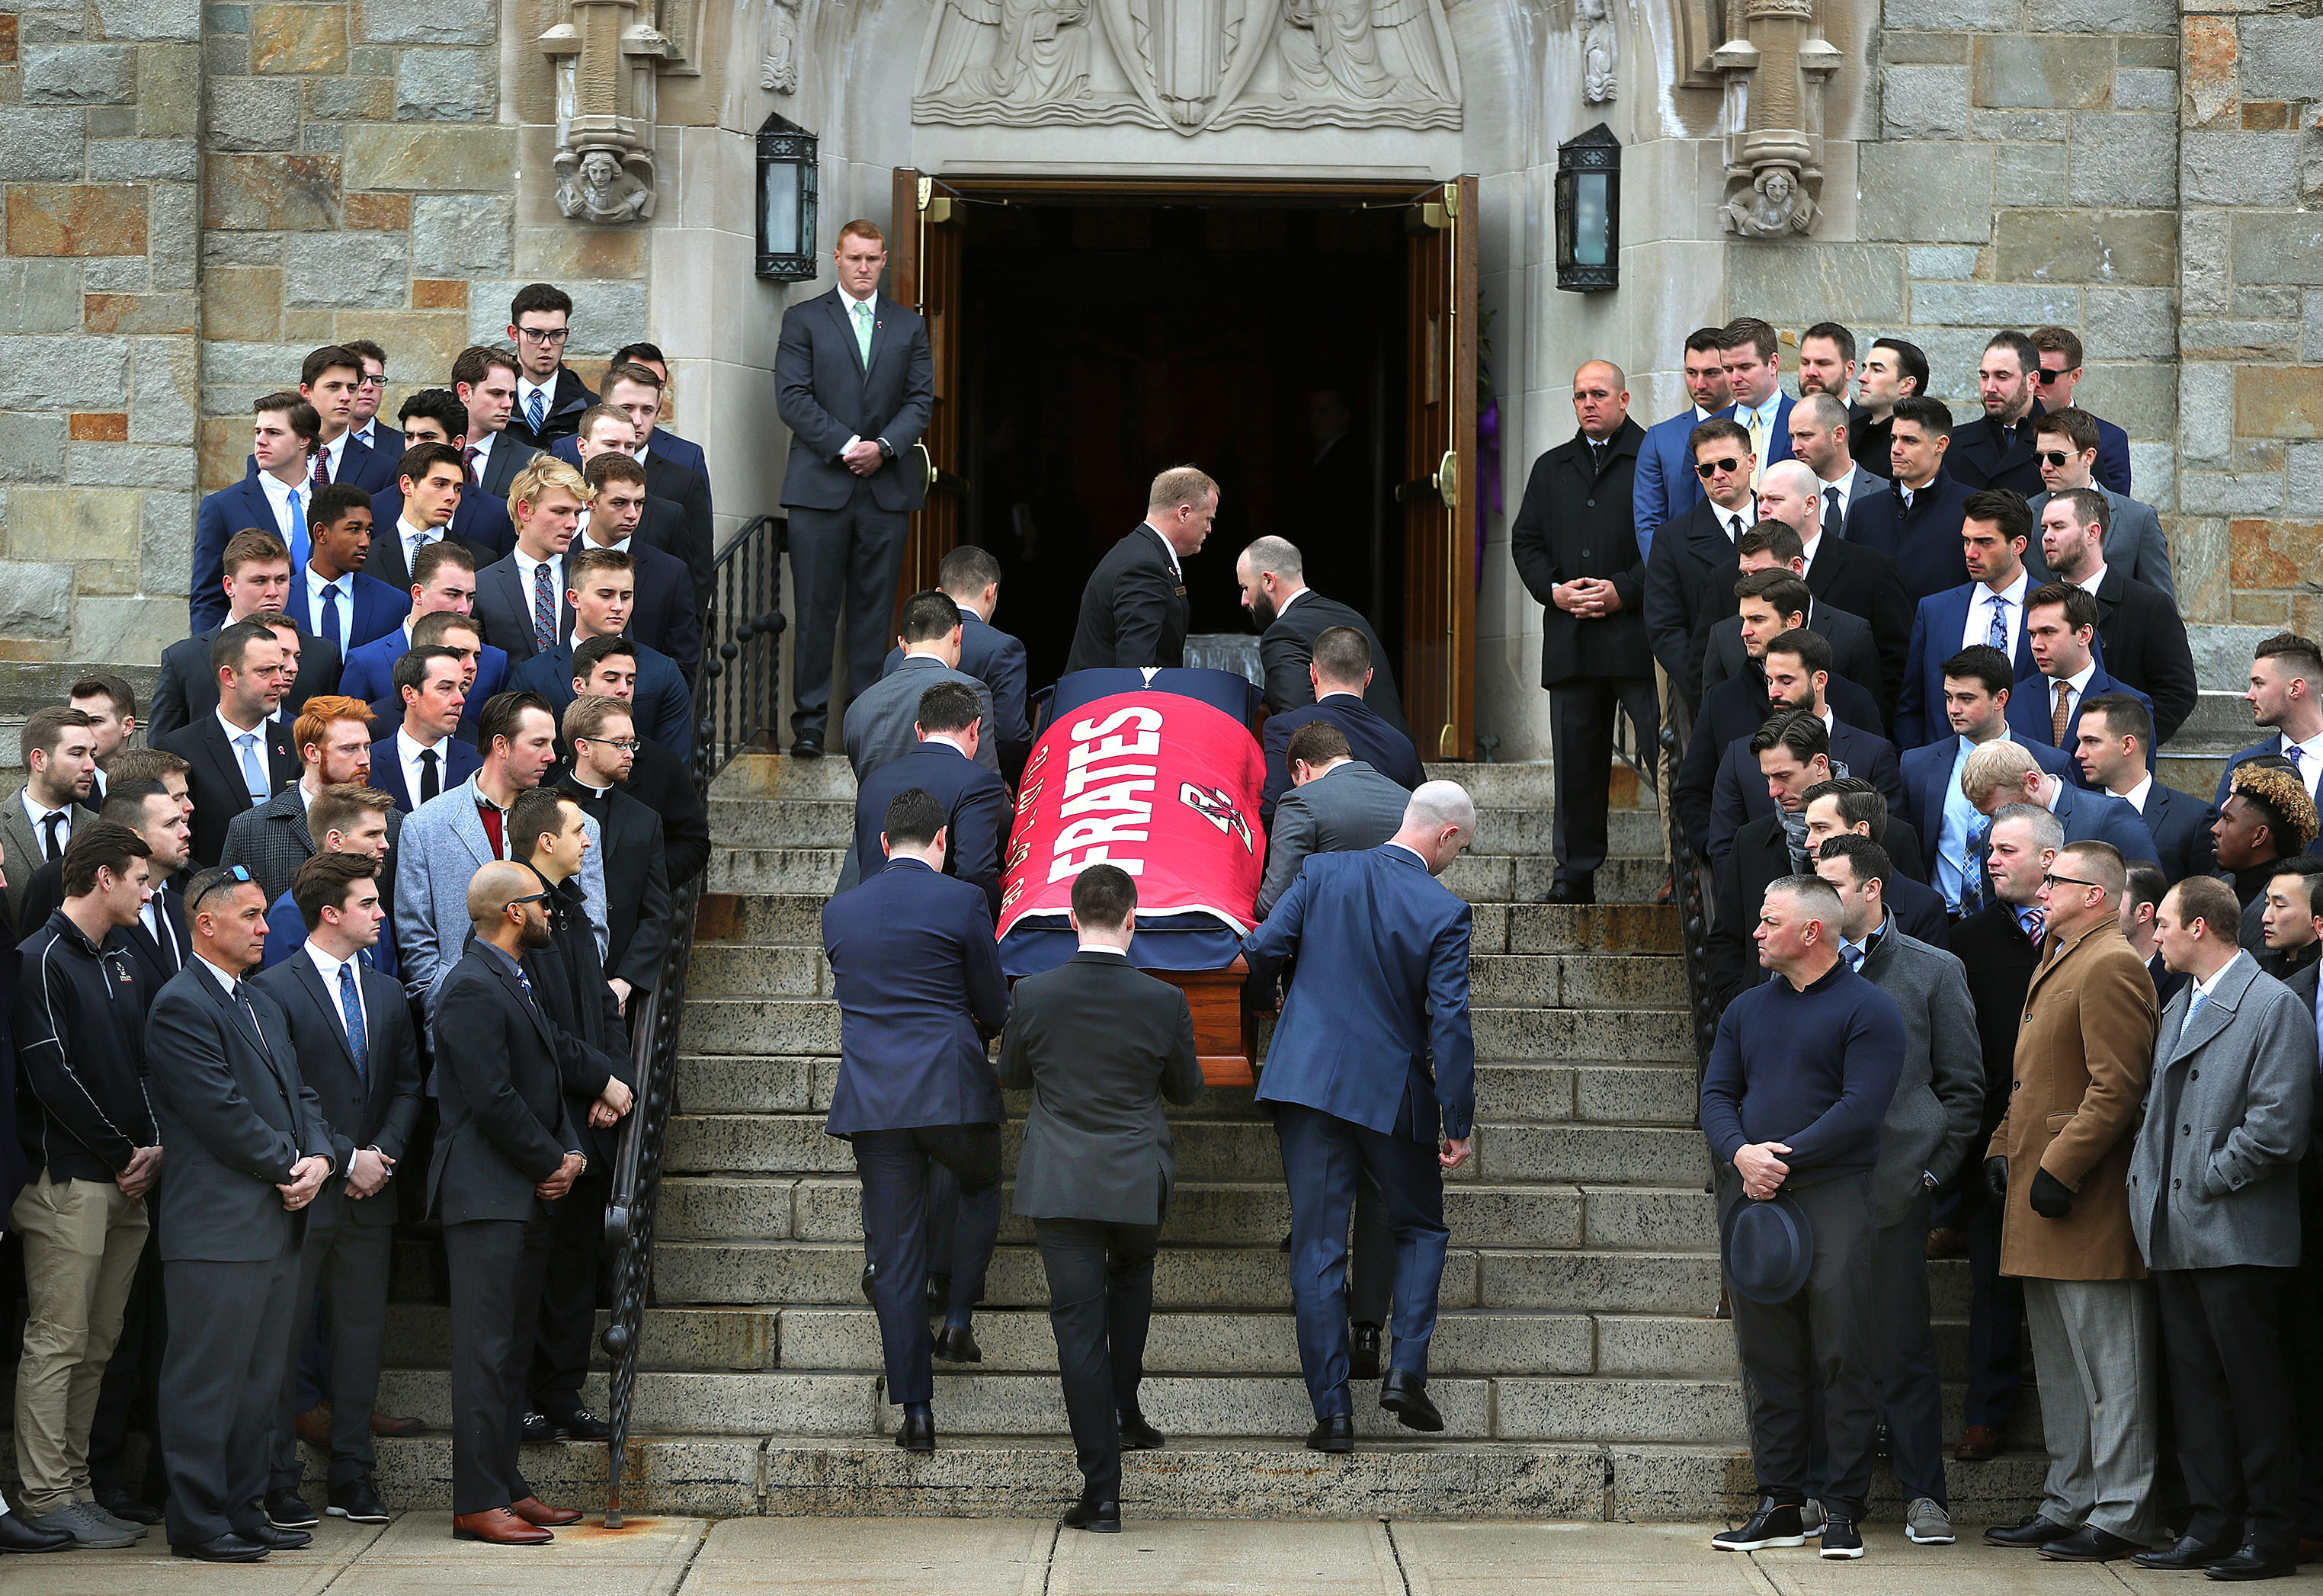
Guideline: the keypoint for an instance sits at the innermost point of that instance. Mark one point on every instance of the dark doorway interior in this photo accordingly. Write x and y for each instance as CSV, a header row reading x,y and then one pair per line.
x,y
1104,342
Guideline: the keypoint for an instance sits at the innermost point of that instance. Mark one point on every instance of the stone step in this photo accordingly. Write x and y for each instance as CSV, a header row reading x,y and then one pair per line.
x,y
783,823
1523,877
781,870
1529,829
756,969
785,1026
774,776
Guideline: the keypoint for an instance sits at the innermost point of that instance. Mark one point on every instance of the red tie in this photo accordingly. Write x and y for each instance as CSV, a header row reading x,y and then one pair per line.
x,y
322,468
468,458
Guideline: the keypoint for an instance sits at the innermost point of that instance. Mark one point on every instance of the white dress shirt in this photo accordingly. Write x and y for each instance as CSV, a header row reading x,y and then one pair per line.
x,y
328,968
334,451
408,750
1979,628
481,442
1176,570
344,586
526,388
525,566
39,815
2309,760
2089,585
2137,795
2076,685
1807,546
233,736
278,494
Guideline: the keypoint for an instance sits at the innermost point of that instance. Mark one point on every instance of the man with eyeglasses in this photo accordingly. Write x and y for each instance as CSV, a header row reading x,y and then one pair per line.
x,y
1681,597
2060,377
604,742
549,398
2069,445
2058,1164
329,380
371,389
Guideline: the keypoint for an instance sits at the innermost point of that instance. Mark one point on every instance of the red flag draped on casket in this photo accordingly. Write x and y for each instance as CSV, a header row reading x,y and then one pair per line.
x,y
1164,786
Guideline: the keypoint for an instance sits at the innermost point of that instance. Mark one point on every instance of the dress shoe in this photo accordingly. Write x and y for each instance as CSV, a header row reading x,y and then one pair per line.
x,y
1947,1241
580,1425
1842,1539
918,1433
127,1508
870,1273
541,1516
314,1427
1137,1435
1103,1517
224,1548
130,1527
1980,1443
538,1429
2251,1564
2089,1544
1363,1351
808,746
86,1528
499,1528
2032,1530
17,1535
1773,1524
1565,891
1334,1434
358,1503
1405,1395
954,1344
276,1540
2189,1553
388,1424
286,1509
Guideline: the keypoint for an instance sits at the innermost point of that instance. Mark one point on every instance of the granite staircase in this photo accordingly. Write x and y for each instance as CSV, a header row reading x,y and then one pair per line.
x,y
1578,1364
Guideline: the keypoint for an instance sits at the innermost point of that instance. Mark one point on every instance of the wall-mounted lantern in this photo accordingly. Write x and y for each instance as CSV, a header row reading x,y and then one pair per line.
x,y
1589,212
788,176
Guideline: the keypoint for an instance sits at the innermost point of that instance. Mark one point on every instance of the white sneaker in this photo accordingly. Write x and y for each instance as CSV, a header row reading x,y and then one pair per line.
x,y
1927,1524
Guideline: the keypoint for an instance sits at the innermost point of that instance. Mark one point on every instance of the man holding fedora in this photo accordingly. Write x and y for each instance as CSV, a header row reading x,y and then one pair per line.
x,y
1801,1074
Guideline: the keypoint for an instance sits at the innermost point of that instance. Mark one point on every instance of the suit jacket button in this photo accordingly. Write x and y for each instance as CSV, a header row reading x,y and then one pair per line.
x,y
1584,553
1592,504
2194,1075
2185,1130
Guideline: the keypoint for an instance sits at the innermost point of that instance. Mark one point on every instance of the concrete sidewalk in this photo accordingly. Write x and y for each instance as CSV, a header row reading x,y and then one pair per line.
x,y
1032,1558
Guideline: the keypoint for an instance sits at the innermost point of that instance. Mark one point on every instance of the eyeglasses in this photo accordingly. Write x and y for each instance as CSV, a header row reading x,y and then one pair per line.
x,y
231,876
553,336
625,745
368,381
2057,881
2055,458
537,897
1711,468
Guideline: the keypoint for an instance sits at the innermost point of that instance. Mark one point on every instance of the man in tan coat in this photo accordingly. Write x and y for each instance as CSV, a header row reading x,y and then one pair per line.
x,y
2060,1163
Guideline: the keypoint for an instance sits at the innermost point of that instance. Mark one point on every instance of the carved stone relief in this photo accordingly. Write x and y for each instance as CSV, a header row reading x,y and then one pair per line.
x,y
1600,54
1778,67
1189,65
605,58
779,70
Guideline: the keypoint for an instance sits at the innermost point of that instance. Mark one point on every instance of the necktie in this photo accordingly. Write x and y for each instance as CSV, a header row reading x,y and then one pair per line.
x,y
1734,529
2063,713
863,331
1832,520
1972,880
468,459
535,410
242,1000
1907,493
1853,954
54,821
1757,446
2292,752
351,1005
164,939
427,785
254,774
299,547
543,608
331,614
2193,1008
2035,923
322,477
1999,636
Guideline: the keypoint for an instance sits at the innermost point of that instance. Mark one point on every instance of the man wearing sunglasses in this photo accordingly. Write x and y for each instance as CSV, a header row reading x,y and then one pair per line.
x,y
549,398
1682,594
2060,377
2069,445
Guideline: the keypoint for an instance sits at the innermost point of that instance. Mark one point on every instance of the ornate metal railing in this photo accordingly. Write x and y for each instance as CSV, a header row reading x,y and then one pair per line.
x,y
736,699
1689,889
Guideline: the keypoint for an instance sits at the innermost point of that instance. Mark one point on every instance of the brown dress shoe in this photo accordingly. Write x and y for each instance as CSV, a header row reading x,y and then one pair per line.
x,y
498,1527
533,1510
1947,1241
1978,1443
384,1424
314,1426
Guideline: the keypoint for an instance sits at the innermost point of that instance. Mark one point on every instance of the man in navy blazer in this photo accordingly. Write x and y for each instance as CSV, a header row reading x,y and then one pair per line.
x,y
663,614
369,672
2114,735
2286,693
1998,774
2062,621
1975,694
270,498
917,975
1754,373
662,706
1339,671
1374,1068
855,383
1917,525
1665,487
970,577
976,803
332,598
1989,609
660,440
420,510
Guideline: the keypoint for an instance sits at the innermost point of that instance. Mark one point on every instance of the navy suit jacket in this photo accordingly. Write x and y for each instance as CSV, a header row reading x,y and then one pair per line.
x,y
504,608
2101,817
1925,540
286,933
2181,825
369,674
1918,910
998,660
1665,487
2273,745
1936,630
975,800
461,761
1928,768
1374,742
1778,445
1738,794
378,610
916,971
664,705
2032,702
1375,1027
222,514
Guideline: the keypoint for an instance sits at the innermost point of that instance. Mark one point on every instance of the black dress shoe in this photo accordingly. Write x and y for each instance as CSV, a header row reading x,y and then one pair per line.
x,y
1137,1435
538,1429
1102,1518
127,1509
1363,1351
1335,1433
1562,891
2189,1553
918,1433
2032,1530
580,1425
2089,1544
870,1273
2251,1564
286,1509
224,1548
358,1503
277,1540
807,746
16,1536
956,1344
1405,1395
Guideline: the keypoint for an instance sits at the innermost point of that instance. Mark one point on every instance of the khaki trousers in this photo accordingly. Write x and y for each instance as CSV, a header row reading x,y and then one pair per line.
x,y
82,1241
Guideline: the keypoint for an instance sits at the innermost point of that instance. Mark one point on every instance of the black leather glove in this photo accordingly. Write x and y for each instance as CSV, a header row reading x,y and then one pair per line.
x,y
2050,1197
1995,1177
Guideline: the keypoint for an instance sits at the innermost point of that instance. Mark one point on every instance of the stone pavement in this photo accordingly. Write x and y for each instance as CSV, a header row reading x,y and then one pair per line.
x,y
1032,1558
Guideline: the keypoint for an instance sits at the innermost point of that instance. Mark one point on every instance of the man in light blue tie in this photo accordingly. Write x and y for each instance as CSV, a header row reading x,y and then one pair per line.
x,y
238,756
855,383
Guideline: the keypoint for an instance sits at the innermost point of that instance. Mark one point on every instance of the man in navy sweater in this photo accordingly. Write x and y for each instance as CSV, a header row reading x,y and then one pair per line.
x,y
1800,1077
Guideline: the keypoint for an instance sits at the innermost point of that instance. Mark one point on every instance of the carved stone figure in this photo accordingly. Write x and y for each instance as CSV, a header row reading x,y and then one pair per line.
x,y
1600,50
779,71
598,188
1773,206
1779,70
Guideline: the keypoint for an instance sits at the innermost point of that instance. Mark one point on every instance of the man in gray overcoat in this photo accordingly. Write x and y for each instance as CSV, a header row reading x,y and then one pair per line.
x,y
2214,1201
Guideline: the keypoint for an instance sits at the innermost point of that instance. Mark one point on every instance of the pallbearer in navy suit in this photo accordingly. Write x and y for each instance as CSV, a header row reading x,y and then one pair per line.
x,y
1372,1068
2062,622
917,975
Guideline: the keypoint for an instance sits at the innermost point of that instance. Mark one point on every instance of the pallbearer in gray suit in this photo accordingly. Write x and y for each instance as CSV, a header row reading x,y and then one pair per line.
x,y
1100,1043
1336,802
855,383
248,1150
2214,1198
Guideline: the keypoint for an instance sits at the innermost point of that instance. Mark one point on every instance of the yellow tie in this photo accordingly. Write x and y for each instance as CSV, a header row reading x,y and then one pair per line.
x,y
1757,448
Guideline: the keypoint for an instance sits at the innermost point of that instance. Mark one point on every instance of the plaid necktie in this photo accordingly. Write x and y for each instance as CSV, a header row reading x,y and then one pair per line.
x,y
468,459
543,608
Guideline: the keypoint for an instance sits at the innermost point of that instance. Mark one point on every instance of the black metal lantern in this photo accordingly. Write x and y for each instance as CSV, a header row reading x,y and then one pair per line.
x,y
788,180
1589,212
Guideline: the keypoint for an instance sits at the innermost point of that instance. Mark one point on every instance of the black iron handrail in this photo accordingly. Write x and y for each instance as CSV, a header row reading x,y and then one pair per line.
x,y
736,704
1690,891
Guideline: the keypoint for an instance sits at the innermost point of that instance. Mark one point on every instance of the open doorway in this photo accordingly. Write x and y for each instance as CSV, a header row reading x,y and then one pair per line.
x,y
1102,340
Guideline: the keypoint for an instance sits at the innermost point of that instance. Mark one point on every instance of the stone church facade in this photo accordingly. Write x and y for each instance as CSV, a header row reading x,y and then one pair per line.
x,y
197,194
